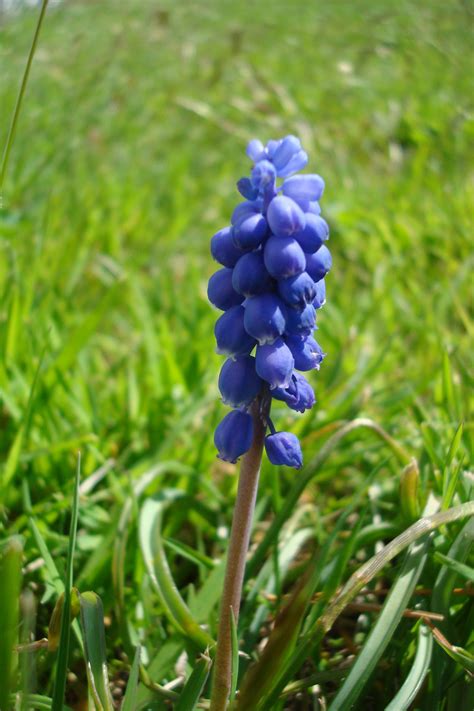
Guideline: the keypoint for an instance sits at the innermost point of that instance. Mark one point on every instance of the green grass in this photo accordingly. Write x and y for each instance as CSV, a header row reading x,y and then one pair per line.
x,y
128,147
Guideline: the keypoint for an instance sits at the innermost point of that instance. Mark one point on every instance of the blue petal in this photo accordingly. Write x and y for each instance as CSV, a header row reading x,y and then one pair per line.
x,y
263,174
249,233
297,290
246,189
244,210
239,383
320,297
275,363
283,257
299,395
285,152
271,147
231,337
223,248
306,352
318,264
285,217
283,448
255,150
304,187
298,162
233,435
312,236
220,291
265,317
300,323
250,275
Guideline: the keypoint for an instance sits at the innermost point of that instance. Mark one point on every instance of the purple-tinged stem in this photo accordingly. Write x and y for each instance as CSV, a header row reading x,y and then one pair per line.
x,y
236,556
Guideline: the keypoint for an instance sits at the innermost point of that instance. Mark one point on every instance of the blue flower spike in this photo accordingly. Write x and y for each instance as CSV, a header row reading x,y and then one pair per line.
x,y
274,262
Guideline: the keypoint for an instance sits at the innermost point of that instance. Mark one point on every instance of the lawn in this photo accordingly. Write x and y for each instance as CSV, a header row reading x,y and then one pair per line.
x,y
130,142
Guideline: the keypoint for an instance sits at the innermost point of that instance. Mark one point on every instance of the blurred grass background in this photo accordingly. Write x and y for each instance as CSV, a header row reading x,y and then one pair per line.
x,y
129,145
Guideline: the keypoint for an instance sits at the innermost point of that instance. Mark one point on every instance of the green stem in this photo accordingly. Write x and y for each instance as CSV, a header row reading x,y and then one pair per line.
x,y
16,112
237,553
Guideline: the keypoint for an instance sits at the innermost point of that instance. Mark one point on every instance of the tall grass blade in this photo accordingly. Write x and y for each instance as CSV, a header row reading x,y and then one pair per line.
x,y
130,698
11,555
189,697
92,622
21,93
65,636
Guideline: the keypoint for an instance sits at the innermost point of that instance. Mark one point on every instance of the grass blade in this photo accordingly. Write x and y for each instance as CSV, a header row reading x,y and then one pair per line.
x,y
235,657
92,621
192,690
10,575
157,566
21,93
384,628
65,636
420,668
130,698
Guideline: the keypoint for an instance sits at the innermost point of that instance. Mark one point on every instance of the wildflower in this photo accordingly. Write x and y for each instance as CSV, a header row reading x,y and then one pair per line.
x,y
272,281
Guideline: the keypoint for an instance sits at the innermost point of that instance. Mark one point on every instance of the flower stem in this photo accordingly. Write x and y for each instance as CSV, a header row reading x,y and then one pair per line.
x,y
237,553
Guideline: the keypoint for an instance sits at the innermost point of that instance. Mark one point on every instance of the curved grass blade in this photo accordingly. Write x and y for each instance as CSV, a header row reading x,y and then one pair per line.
x,y
156,564
416,677
92,622
121,539
11,556
65,636
130,698
189,697
384,628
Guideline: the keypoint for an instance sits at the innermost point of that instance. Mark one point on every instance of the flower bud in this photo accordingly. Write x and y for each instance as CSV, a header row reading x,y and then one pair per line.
x,y
318,264
265,317
283,448
274,363
223,248
233,435
220,291
314,233
249,233
304,187
239,383
283,257
250,276
300,322
246,189
285,217
288,147
320,297
306,352
297,162
231,337
297,290
255,150
244,210
299,395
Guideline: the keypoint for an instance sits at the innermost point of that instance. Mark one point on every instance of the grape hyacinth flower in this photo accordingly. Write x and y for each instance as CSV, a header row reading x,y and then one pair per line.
x,y
273,261
269,286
